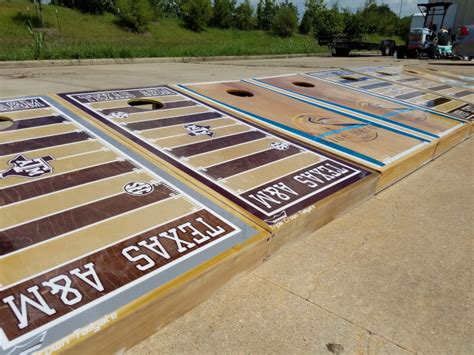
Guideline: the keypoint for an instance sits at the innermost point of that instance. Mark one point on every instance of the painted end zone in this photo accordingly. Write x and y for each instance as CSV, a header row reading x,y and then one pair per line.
x,y
87,229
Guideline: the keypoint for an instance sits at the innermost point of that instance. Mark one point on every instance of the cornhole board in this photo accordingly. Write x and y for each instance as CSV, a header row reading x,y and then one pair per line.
x,y
399,93
288,188
445,131
391,152
398,75
99,247
438,76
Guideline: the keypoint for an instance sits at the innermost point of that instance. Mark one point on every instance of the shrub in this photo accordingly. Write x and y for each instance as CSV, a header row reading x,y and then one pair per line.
x,y
166,7
285,22
196,14
223,12
244,18
134,14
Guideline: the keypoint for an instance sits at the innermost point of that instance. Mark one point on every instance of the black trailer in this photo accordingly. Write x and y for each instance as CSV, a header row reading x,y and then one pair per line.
x,y
342,45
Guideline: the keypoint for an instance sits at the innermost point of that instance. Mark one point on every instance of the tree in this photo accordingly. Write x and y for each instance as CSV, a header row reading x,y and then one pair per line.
x,y
285,21
223,13
266,10
134,14
167,7
90,6
313,8
196,14
243,17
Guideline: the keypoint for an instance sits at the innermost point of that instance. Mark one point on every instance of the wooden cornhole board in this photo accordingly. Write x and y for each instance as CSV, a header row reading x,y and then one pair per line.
x,y
393,153
398,75
438,76
98,247
399,93
445,131
286,187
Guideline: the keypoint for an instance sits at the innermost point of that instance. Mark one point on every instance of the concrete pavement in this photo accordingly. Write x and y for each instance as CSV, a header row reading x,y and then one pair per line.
x,y
393,276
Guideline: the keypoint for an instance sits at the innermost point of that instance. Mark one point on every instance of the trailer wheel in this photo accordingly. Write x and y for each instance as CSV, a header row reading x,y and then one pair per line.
x,y
387,48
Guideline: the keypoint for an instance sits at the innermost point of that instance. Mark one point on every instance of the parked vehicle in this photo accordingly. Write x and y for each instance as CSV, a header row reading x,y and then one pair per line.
x,y
433,39
463,46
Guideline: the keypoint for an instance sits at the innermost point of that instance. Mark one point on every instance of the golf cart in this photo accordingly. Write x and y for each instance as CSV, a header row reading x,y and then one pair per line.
x,y
432,40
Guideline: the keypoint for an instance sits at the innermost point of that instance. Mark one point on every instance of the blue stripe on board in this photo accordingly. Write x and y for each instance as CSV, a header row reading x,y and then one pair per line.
x,y
392,100
295,131
396,112
358,118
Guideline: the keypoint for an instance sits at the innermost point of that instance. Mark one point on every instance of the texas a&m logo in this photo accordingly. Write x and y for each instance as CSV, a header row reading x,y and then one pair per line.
x,y
22,166
198,130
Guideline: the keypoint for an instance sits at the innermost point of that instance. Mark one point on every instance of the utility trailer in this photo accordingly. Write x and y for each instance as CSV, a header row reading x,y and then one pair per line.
x,y
342,45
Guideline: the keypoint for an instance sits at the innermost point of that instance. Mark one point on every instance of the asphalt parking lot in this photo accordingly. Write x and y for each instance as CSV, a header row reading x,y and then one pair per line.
x,y
393,276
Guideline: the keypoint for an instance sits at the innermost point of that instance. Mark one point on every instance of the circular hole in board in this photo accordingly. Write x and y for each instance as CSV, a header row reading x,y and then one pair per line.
x,y
348,77
303,84
146,104
5,123
240,93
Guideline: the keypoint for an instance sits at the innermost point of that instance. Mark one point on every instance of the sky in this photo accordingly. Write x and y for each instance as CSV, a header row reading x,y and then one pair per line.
x,y
408,8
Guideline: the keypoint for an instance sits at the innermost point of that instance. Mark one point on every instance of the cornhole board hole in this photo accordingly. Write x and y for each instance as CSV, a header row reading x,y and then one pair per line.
x,y
393,153
261,175
437,76
398,75
445,131
399,93
98,247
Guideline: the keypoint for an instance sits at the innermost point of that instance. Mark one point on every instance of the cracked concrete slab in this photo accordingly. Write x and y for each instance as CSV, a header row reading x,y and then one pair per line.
x,y
253,315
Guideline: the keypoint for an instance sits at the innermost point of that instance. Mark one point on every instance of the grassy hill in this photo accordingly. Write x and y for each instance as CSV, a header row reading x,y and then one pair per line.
x,y
87,36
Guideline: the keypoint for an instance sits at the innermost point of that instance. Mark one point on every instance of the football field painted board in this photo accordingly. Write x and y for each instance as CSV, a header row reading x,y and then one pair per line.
x,y
400,76
399,93
445,131
93,237
438,76
389,151
287,187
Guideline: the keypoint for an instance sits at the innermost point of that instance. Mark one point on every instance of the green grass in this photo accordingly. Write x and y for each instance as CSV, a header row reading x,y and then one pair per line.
x,y
88,36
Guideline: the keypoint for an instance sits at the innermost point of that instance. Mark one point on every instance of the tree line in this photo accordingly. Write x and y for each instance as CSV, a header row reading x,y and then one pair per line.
x,y
278,17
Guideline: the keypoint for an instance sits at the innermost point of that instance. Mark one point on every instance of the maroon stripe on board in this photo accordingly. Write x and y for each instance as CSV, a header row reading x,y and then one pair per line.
x,y
166,105
218,143
35,122
42,142
463,93
240,165
438,88
31,233
60,182
165,122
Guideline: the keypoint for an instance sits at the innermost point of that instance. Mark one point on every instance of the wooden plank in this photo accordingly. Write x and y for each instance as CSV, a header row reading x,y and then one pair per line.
x,y
359,139
91,232
411,119
263,175
399,93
